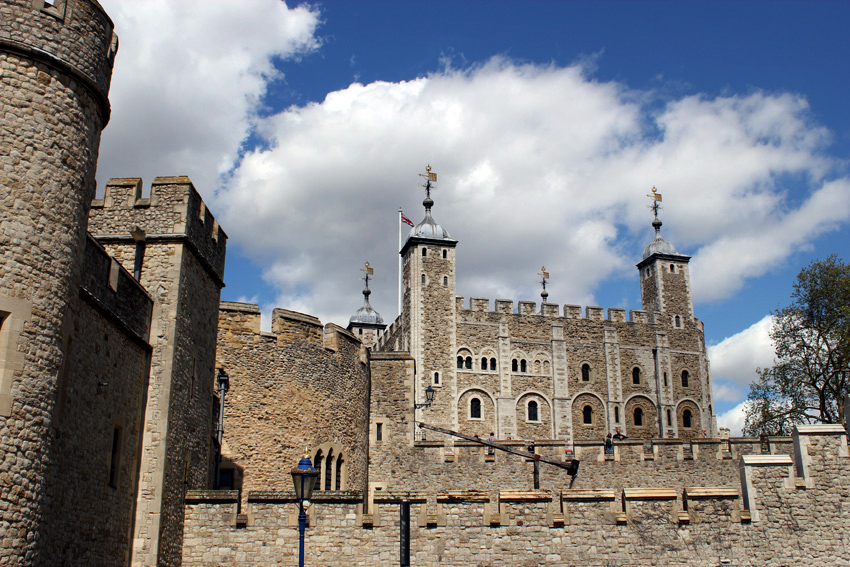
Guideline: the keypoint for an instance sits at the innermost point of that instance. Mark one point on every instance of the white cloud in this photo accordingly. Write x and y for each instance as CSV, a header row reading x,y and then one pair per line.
x,y
188,80
725,391
736,358
733,419
538,164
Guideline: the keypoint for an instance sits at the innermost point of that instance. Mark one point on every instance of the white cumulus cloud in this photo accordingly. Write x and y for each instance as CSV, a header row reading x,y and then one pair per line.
x,y
736,358
188,81
733,419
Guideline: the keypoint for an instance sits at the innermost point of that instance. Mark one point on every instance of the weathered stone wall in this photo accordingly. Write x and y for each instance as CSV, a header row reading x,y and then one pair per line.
x,y
98,415
783,518
182,250
290,391
55,72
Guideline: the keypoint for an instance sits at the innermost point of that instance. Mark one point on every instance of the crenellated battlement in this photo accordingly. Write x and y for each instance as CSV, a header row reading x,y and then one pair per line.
x,y
173,210
688,524
592,313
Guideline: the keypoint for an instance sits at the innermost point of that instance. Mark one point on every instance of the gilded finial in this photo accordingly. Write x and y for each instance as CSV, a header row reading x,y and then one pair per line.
x,y
656,199
306,452
544,276
430,179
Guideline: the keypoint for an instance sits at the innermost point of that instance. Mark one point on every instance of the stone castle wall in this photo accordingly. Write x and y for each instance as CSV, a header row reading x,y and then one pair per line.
x,y
98,419
178,250
697,525
303,386
56,66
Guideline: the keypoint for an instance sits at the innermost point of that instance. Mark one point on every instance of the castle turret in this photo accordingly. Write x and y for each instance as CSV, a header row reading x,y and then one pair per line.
x,y
665,282
56,64
366,323
428,305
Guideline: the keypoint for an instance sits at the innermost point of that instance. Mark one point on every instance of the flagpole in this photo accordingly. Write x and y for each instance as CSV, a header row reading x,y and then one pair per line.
x,y
399,261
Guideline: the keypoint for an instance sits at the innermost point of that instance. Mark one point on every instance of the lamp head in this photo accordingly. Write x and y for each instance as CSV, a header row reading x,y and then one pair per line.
x,y
223,380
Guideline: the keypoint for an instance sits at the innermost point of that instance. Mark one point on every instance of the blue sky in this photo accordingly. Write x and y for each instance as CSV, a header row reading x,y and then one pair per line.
x,y
304,127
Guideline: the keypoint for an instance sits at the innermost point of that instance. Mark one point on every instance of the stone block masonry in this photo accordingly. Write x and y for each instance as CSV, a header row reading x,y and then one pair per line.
x,y
303,386
631,527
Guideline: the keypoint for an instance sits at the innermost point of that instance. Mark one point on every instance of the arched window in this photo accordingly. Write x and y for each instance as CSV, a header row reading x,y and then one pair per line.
x,y
445,253
532,411
537,367
338,481
665,379
672,268
616,415
686,418
469,363
514,365
423,277
329,469
585,373
493,364
460,362
436,377
319,461
638,416
635,375
523,366
475,408
685,377
678,321
424,251
484,363
588,415
669,418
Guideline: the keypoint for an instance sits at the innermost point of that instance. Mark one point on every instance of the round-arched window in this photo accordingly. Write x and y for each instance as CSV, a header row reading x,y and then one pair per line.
x,y
532,411
585,373
588,415
475,408
685,378
638,416
635,375
686,418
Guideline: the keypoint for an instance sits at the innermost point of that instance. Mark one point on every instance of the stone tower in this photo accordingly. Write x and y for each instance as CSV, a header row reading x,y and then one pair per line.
x,y
429,312
55,69
174,247
366,323
665,282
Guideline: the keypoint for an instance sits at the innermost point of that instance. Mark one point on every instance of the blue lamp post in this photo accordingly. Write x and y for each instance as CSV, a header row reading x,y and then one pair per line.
x,y
304,478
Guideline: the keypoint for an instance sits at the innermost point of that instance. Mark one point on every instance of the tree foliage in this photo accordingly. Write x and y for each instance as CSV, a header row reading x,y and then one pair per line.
x,y
809,379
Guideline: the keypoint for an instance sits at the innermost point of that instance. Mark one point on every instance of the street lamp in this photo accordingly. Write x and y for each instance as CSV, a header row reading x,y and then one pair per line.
x,y
429,398
223,386
304,479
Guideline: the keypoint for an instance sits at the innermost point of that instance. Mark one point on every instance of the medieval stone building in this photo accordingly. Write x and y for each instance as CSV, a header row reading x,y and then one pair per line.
x,y
112,332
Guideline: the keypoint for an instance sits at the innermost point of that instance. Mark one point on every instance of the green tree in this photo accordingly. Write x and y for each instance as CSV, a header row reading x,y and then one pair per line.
x,y
809,379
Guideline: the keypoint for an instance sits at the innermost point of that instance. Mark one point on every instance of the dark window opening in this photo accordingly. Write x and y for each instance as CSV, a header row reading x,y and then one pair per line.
x,y
484,364
475,408
673,268
686,418
669,419
379,431
320,461
523,366
665,379
115,458
514,365
532,411
436,377
338,481
635,375
423,279
685,378
329,469
225,479
585,373
445,254
638,417
445,280
588,415
424,251
460,362
492,364
616,415
678,321
468,363
139,260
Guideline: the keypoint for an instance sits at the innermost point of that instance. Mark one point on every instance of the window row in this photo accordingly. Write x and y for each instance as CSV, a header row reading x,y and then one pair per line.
x,y
636,376
425,252
424,280
638,417
331,467
532,409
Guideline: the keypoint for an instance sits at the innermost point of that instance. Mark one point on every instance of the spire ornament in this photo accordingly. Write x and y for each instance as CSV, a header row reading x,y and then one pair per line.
x,y
544,277
429,178
655,206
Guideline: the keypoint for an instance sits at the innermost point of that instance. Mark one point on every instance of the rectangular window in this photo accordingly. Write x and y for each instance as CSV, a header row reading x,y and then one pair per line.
x,y
115,458
379,432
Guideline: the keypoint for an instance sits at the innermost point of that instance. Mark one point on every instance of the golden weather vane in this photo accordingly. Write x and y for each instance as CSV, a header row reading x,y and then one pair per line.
x,y
429,179
369,271
656,199
544,277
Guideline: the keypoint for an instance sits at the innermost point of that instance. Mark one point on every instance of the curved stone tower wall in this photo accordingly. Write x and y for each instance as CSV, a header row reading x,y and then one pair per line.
x,y
55,68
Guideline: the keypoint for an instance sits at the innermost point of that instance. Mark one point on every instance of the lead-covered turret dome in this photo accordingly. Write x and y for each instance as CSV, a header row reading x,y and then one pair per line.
x,y
659,245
